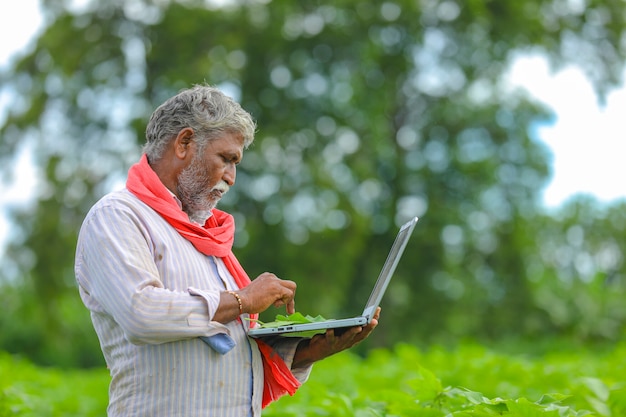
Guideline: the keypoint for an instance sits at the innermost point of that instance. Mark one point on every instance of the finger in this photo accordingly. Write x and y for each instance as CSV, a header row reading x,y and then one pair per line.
x,y
370,326
359,333
289,286
289,295
330,336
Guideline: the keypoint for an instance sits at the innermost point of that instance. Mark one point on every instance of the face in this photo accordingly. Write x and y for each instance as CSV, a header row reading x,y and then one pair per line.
x,y
209,175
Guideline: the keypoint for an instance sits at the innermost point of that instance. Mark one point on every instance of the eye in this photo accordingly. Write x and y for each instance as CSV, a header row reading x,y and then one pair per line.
x,y
228,159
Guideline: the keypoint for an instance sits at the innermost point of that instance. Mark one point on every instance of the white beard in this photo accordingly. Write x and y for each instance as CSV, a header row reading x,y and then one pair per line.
x,y
197,197
200,217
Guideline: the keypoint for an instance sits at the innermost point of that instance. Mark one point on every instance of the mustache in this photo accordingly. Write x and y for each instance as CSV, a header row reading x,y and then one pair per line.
x,y
221,186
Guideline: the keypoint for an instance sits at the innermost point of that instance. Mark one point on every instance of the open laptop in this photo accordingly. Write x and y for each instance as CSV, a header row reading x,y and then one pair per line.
x,y
372,303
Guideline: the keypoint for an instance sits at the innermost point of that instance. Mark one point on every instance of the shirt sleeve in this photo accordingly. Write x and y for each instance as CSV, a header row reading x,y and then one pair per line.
x,y
286,349
117,275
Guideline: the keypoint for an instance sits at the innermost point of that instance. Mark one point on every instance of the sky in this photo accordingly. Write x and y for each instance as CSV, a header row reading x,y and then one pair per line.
x,y
587,142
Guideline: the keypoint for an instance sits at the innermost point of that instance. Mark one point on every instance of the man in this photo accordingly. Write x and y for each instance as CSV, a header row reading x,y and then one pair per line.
x,y
168,299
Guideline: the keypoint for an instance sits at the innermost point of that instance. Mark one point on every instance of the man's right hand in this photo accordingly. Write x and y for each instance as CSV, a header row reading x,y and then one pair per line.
x,y
266,290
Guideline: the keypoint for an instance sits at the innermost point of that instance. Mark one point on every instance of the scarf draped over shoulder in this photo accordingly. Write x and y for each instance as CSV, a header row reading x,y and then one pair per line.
x,y
215,238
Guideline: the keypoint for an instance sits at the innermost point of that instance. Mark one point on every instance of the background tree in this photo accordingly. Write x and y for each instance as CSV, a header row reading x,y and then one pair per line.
x,y
368,115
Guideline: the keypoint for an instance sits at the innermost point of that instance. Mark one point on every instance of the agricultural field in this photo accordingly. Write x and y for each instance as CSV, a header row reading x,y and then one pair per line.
x,y
468,380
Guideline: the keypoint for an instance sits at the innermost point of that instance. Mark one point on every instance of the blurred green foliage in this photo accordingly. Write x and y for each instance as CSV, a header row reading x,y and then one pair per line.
x,y
369,113
468,380
30,391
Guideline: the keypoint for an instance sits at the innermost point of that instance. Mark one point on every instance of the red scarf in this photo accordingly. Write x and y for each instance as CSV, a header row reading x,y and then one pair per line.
x,y
215,238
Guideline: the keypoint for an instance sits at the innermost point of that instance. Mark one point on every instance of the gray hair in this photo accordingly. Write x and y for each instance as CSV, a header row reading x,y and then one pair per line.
x,y
205,109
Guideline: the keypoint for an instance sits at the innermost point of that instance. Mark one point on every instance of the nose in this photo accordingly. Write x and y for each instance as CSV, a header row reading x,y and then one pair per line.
x,y
230,173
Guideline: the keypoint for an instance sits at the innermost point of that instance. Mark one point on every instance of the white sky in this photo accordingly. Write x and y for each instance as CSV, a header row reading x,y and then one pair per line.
x,y
588,143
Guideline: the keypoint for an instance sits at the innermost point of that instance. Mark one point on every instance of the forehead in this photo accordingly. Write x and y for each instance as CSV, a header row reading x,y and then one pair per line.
x,y
227,142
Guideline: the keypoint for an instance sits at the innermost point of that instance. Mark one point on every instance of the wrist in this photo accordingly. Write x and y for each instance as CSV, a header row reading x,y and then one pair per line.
x,y
238,299
302,357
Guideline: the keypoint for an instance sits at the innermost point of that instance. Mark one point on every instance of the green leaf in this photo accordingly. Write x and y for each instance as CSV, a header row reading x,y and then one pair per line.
x,y
295,318
298,318
525,408
553,398
597,387
425,385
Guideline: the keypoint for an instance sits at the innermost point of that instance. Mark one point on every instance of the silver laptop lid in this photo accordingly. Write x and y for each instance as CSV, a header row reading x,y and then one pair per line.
x,y
388,268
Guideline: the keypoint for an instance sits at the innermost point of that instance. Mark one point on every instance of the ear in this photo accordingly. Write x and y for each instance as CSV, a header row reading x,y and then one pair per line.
x,y
183,143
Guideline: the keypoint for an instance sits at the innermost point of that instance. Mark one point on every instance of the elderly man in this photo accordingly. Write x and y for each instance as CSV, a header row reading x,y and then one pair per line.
x,y
168,299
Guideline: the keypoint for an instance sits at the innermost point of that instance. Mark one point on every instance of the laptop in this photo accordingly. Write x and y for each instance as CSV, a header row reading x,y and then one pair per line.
x,y
370,307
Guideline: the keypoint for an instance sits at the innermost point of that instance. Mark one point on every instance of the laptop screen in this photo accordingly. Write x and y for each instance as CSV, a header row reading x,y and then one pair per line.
x,y
389,267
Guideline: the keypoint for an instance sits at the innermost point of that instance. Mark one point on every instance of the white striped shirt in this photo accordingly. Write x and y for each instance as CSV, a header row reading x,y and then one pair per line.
x,y
151,295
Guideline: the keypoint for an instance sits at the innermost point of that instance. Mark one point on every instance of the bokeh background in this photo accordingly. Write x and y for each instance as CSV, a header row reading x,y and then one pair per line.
x,y
369,113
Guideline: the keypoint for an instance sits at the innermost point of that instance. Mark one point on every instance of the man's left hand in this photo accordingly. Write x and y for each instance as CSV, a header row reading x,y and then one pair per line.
x,y
324,345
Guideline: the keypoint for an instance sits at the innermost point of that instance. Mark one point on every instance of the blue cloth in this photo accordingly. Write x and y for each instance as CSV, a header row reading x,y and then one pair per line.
x,y
221,342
